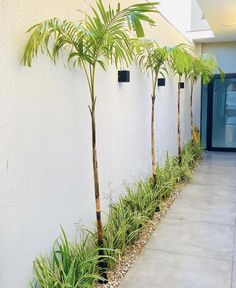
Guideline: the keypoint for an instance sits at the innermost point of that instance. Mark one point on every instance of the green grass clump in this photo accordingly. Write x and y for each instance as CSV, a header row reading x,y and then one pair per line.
x,y
68,265
127,218
75,265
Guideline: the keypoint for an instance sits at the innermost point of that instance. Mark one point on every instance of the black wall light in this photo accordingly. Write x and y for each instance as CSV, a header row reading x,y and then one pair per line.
x,y
181,85
161,82
123,76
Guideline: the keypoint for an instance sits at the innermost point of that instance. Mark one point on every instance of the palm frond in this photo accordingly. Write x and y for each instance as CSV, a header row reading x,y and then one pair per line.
x,y
209,67
179,59
65,35
151,57
111,29
102,37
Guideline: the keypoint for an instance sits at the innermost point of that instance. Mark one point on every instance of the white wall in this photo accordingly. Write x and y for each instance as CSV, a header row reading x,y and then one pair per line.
x,y
45,139
225,54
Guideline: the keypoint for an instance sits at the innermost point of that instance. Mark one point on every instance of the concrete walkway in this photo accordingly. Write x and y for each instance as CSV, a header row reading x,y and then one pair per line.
x,y
194,246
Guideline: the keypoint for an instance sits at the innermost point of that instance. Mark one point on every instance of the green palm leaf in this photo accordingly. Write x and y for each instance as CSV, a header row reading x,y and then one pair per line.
x,y
179,59
103,34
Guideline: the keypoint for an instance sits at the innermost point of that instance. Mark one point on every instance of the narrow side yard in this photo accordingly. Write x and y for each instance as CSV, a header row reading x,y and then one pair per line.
x,y
194,246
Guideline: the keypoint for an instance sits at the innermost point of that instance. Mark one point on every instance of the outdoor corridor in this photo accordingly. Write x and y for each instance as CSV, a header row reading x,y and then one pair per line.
x,y
194,246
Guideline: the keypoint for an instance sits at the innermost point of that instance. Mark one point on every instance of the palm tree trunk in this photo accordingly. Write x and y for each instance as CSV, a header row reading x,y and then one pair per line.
x,y
179,136
102,264
191,113
96,180
154,175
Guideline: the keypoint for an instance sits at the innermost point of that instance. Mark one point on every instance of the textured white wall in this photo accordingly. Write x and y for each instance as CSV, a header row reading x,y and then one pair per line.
x,y
45,141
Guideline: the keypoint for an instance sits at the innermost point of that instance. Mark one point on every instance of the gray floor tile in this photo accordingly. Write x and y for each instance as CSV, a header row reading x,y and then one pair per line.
x,y
205,209
214,180
165,270
214,169
217,193
194,238
201,216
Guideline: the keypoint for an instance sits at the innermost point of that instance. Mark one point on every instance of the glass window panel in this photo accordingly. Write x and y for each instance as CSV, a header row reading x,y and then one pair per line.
x,y
204,115
224,113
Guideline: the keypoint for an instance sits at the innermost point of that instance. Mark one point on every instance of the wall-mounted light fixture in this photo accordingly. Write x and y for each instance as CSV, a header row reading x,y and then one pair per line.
x,y
123,76
161,82
181,85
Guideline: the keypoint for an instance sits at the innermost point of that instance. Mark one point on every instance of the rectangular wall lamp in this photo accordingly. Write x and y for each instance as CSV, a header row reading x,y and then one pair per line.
x,y
161,82
123,76
181,85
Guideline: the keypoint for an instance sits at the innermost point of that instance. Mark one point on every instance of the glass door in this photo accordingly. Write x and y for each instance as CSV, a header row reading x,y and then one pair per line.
x,y
223,113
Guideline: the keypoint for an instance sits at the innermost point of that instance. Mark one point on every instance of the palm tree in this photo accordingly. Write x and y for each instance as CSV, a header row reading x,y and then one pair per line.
x,y
200,66
101,38
209,67
194,72
179,63
152,59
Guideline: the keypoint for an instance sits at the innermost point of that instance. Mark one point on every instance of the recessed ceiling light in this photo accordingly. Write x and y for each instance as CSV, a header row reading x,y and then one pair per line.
x,y
229,24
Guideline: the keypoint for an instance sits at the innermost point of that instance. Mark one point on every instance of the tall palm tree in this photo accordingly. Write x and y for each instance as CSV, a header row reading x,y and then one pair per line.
x,y
194,72
152,59
200,66
179,63
101,38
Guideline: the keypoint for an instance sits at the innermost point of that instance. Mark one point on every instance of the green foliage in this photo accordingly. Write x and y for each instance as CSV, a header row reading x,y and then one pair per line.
x,y
126,219
179,59
152,59
195,69
172,172
167,177
74,265
202,66
190,155
68,266
101,37
144,199
209,67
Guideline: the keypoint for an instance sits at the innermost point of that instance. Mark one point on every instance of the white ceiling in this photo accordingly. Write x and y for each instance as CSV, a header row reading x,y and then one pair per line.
x,y
221,16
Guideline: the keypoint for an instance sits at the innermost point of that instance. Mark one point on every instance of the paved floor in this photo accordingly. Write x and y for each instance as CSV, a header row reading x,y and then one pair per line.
x,y
194,246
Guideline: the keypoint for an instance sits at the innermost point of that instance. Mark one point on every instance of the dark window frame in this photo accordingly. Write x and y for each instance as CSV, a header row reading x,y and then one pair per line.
x,y
209,109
